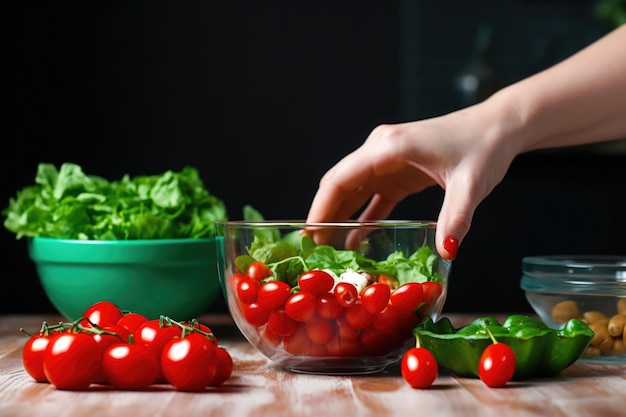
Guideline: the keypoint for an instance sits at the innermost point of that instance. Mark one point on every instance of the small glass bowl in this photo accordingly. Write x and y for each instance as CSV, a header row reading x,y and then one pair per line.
x,y
591,288
351,339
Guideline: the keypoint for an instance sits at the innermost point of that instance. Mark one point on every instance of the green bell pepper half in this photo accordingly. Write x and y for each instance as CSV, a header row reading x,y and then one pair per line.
x,y
540,351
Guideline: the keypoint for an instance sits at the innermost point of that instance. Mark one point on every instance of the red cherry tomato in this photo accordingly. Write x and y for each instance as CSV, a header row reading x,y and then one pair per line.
x,y
102,313
389,281
189,363
131,321
300,306
33,353
497,365
419,367
258,271
196,325
432,291
247,289
280,324
112,335
130,366
346,294
357,316
328,307
375,297
407,297
297,343
72,361
319,330
156,335
255,314
388,320
224,367
316,281
273,294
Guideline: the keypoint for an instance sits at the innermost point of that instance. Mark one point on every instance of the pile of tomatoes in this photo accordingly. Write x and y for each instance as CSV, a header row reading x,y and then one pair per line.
x,y
126,350
322,316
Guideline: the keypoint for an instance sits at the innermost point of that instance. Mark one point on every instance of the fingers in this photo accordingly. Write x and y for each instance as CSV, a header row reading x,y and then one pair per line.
x,y
455,218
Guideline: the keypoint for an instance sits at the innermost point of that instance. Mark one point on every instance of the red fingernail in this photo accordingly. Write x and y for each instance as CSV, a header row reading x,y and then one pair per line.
x,y
451,245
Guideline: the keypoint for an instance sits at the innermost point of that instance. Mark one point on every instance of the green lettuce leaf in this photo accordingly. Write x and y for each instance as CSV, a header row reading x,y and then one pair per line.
x,y
67,203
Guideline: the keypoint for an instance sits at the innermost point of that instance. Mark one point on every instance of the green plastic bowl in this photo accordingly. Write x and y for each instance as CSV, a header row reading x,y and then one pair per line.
x,y
173,277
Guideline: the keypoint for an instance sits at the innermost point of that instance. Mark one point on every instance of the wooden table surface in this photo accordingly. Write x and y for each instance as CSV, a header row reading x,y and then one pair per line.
x,y
257,388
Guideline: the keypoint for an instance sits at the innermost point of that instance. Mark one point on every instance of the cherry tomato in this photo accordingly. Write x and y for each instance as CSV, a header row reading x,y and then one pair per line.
x,y
72,361
130,366
316,281
224,367
297,343
196,325
328,307
388,320
407,297
339,346
357,316
375,343
112,334
375,297
247,290
300,306
432,291
33,353
131,321
419,367
189,363
258,271
273,294
270,338
156,335
319,330
389,281
280,324
102,313
346,294
256,315
497,365
344,330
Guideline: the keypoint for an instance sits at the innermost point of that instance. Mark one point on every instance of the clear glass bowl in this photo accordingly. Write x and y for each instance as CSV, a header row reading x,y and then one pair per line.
x,y
591,288
333,334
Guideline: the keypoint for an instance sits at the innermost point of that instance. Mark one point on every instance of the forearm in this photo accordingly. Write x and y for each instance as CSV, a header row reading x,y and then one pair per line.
x,y
580,100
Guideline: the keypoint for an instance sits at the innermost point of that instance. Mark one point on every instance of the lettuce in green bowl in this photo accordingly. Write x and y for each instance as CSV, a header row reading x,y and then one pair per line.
x,y
67,203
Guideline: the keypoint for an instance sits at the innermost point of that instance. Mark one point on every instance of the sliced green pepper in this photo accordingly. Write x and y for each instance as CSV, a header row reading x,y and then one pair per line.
x,y
540,351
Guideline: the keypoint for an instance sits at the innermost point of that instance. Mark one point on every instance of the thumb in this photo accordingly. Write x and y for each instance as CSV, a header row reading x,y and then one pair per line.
x,y
454,219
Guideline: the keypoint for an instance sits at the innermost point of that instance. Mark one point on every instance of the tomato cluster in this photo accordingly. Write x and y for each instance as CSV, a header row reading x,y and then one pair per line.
x,y
126,351
326,316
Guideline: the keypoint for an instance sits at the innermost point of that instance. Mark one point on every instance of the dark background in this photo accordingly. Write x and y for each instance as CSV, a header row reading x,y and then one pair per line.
x,y
263,97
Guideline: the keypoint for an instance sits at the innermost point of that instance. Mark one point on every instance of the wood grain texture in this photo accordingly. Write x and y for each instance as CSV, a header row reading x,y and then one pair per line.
x,y
258,388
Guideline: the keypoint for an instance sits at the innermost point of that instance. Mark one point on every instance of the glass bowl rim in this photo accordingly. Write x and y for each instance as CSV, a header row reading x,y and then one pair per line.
x,y
425,224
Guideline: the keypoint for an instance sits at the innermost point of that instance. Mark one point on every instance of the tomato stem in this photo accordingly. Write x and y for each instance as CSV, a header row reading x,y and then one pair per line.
x,y
493,338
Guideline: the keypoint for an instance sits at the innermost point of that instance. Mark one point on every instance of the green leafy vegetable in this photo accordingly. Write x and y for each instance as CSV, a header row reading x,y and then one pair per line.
x,y
292,254
69,204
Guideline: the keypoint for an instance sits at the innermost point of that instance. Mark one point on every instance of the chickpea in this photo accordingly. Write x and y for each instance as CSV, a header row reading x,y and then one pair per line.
x,y
621,306
619,348
564,311
607,345
592,352
616,325
601,333
594,317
